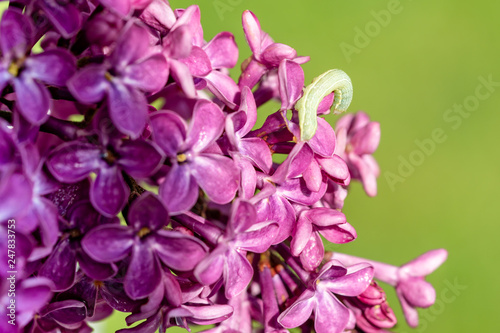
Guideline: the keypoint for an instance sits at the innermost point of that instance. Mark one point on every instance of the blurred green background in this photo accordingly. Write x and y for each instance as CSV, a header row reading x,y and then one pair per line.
x,y
414,65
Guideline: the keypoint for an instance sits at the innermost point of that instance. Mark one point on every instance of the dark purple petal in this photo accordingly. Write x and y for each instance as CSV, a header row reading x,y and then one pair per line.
x,y
73,161
149,75
426,263
237,273
217,176
33,294
60,267
147,211
93,269
33,99
205,127
16,33
108,192
143,273
178,251
108,243
15,195
169,131
89,84
139,158
65,17
179,190
181,74
53,67
128,109
222,50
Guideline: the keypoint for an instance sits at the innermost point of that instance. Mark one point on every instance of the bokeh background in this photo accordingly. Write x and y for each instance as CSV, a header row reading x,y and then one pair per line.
x,y
419,68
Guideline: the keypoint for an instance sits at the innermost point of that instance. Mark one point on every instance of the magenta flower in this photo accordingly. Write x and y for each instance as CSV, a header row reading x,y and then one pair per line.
x,y
358,138
311,223
330,314
409,280
147,243
129,71
184,147
243,233
72,162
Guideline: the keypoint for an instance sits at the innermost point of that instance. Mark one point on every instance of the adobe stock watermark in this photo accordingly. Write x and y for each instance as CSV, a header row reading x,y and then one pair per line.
x,y
223,6
447,296
453,117
364,36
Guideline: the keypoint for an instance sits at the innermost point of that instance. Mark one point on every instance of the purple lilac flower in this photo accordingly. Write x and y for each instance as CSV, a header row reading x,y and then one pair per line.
x,y
130,70
191,167
27,73
330,314
147,243
409,279
358,138
73,161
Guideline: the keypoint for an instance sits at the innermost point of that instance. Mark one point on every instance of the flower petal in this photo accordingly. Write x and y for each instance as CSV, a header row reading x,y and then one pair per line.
x,y
210,269
205,127
17,33
89,84
291,81
128,109
237,273
108,192
300,311
223,87
53,66
179,190
147,211
73,161
178,251
169,131
108,243
148,75
143,273
33,99
222,50
259,238
217,176
139,158
60,267
330,315
357,279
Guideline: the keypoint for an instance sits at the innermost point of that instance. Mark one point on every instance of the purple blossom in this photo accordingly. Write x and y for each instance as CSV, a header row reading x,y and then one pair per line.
x,y
243,233
147,243
130,70
330,315
184,147
27,73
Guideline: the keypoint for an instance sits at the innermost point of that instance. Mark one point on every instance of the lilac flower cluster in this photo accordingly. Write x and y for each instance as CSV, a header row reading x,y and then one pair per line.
x,y
132,165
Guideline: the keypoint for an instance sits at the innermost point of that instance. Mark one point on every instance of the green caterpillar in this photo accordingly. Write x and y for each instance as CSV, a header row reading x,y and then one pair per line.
x,y
334,80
